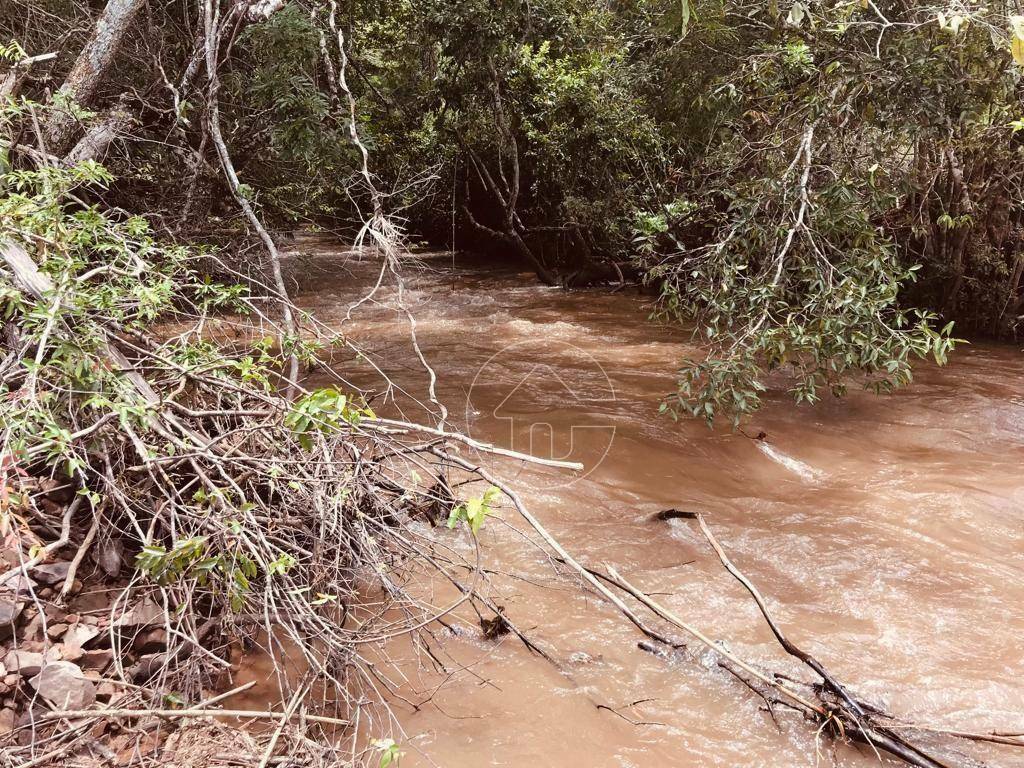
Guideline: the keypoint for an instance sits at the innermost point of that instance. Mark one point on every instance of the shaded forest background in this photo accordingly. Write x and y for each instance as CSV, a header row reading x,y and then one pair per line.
x,y
822,187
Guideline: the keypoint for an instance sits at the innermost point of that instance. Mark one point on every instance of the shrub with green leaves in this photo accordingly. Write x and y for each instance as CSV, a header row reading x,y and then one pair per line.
x,y
474,510
855,162
324,411
184,448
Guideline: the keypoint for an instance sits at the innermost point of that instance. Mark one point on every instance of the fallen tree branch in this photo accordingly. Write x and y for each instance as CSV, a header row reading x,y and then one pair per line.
x,y
289,336
789,647
478,445
76,561
172,714
92,65
671,618
49,549
552,542
857,718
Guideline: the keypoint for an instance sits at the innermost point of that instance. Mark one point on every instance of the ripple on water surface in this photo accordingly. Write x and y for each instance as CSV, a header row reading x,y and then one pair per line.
x,y
886,532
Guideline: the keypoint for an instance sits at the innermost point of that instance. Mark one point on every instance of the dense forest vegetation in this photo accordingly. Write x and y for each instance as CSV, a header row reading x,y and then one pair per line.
x,y
824,186
826,190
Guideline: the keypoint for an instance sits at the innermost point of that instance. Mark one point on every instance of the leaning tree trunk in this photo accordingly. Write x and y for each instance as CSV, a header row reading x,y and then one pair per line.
x,y
92,65
504,187
100,135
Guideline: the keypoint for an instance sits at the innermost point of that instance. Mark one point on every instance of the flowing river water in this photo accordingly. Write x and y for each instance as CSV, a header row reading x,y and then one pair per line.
x,y
886,532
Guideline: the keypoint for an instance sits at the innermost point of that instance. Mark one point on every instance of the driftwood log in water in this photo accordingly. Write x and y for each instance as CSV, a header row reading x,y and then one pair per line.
x,y
858,714
829,703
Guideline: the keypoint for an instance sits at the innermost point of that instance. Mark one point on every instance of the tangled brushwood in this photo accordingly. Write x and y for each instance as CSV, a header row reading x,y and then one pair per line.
x,y
214,500
239,516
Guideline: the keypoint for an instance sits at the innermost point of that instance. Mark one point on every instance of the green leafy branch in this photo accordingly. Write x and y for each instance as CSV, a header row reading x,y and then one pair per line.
x,y
475,510
324,411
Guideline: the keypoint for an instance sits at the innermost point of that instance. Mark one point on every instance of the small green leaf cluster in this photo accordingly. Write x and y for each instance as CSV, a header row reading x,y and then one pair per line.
x,y
192,558
12,51
277,97
389,753
475,510
324,411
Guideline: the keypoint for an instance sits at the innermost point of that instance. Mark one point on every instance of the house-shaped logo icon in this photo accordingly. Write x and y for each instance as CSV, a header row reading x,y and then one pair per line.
x,y
552,411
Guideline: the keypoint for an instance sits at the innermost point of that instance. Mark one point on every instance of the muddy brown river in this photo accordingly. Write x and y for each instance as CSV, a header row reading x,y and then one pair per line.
x,y
887,533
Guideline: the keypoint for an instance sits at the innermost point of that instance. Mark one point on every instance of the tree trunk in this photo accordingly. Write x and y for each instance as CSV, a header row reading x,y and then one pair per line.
x,y
87,74
10,81
100,135
507,193
289,332
1013,300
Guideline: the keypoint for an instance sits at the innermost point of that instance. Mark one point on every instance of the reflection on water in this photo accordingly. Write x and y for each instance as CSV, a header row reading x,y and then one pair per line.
x,y
887,532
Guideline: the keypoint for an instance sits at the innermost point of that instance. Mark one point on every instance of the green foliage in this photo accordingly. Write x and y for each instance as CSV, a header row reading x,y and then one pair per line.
x,y
474,510
843,174
112,281
568,95
279,105
324,411
167,566
12,51
662,132
582,113
104,269
389,752
191,558
814,317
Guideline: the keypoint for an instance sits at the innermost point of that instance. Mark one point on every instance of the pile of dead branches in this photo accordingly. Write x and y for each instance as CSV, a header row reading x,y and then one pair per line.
x,y
241,505
249,518
246,507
